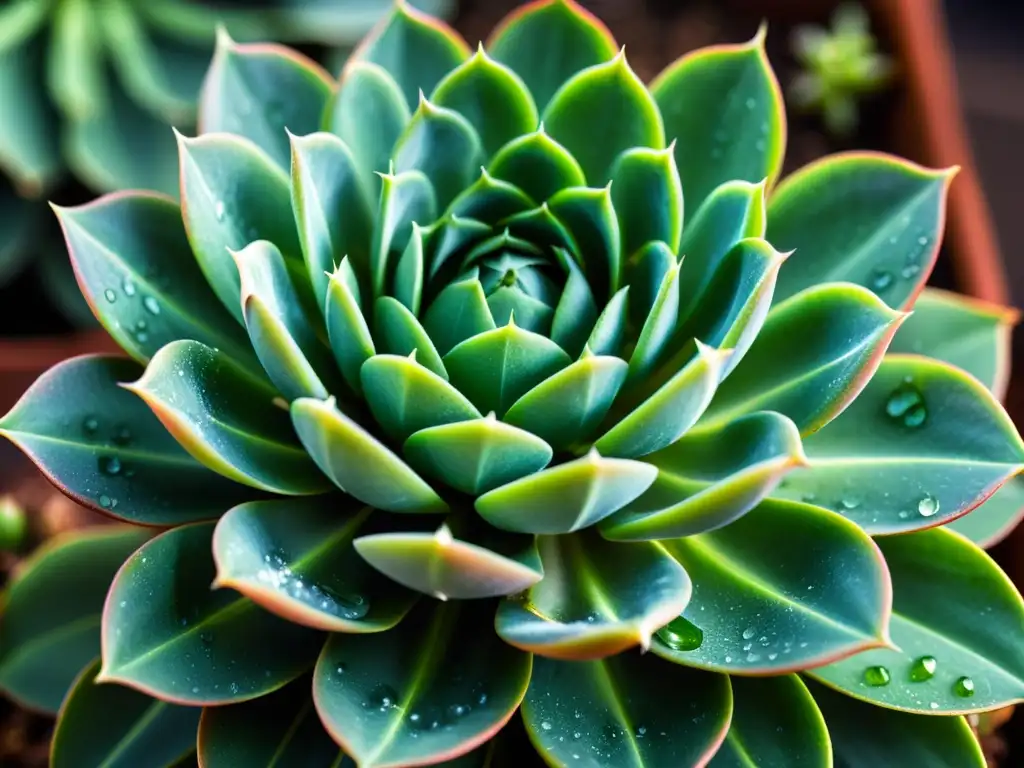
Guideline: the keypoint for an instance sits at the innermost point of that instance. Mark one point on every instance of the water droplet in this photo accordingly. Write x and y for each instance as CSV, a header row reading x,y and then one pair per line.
x,y
90,425
195,689
923,669
641,731
110,465
752,657
906,404
909,271
109,295
206,638
218,210
877,676
107,502
151,305
681,635
880,280
124,603
546,725
748,633
850,502
934,705
928,506
759,145
751,102
128,286
964,687
381,697
922,240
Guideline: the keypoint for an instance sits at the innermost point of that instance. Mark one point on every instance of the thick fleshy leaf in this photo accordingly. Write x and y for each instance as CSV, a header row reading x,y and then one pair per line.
x,y
454,235
491,97
630,711
610,329
74,68
458,313
332,208
578,36
404,198
860,217
51,626
597,598
417,50
167,634
709,478
843,330
294,557
406,397
489,200
566,409
612,96
398,332
496,368
923,444
462,566
232,194
644,273
368,113
731,213
997,516
385,698
476,456
538,165
567,497
281,727
226,418
775,722
588,215
347,328
261,92
358,463
648,198
294,359
575,312
443,145
134,265
956,619
657,330
670,412
102,446
407,283
723,108
783,588
117,727
866,736
968,333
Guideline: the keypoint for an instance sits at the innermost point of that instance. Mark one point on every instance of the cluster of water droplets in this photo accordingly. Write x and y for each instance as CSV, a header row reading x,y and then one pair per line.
x,y
722,141
921,670
883,277
278,574
108,464
140,329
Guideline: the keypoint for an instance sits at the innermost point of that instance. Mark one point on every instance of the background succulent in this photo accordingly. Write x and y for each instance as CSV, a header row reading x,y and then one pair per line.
x,y
841,66
93,86
479,425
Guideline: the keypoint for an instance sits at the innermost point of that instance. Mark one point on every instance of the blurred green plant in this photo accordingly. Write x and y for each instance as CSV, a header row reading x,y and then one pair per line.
x,y
841,65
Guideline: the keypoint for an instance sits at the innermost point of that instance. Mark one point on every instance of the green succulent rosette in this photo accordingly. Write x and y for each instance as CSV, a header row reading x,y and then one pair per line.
x,y
444,411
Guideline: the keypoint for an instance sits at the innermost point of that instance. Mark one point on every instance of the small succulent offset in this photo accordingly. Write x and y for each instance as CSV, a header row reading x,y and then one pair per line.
x,y
840,67
430,381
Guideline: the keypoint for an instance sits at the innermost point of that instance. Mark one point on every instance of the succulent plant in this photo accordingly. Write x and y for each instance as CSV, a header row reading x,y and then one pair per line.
x,y
96,84
840,67
458,418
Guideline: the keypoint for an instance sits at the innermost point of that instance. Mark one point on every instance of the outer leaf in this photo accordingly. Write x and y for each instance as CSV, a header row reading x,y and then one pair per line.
x,y
860,217
709,478
74,72
775,722
332,209
463,568
117,727
648,198
232,194
102,447
864,736
722,106
358,463
134,265
166,633
995,518
226,419
597,598
614,96
259,91
964,332
610,329
578,36
567,497
295,558
566,409
815,380
282,726
495,368
51,626
924,433
783,588
414,694
538,165
491,97
347,328
940,581
29,148
629,712
416,49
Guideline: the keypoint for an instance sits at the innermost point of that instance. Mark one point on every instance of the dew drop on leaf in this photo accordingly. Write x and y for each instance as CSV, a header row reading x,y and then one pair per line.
x,y
128,287
850,502
906,405
151,305
681,634
90,426
964,687
218,210
923,669
928,506
108,502
546,725
877,676
748,633
109,295
381,697
880,280
110,465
